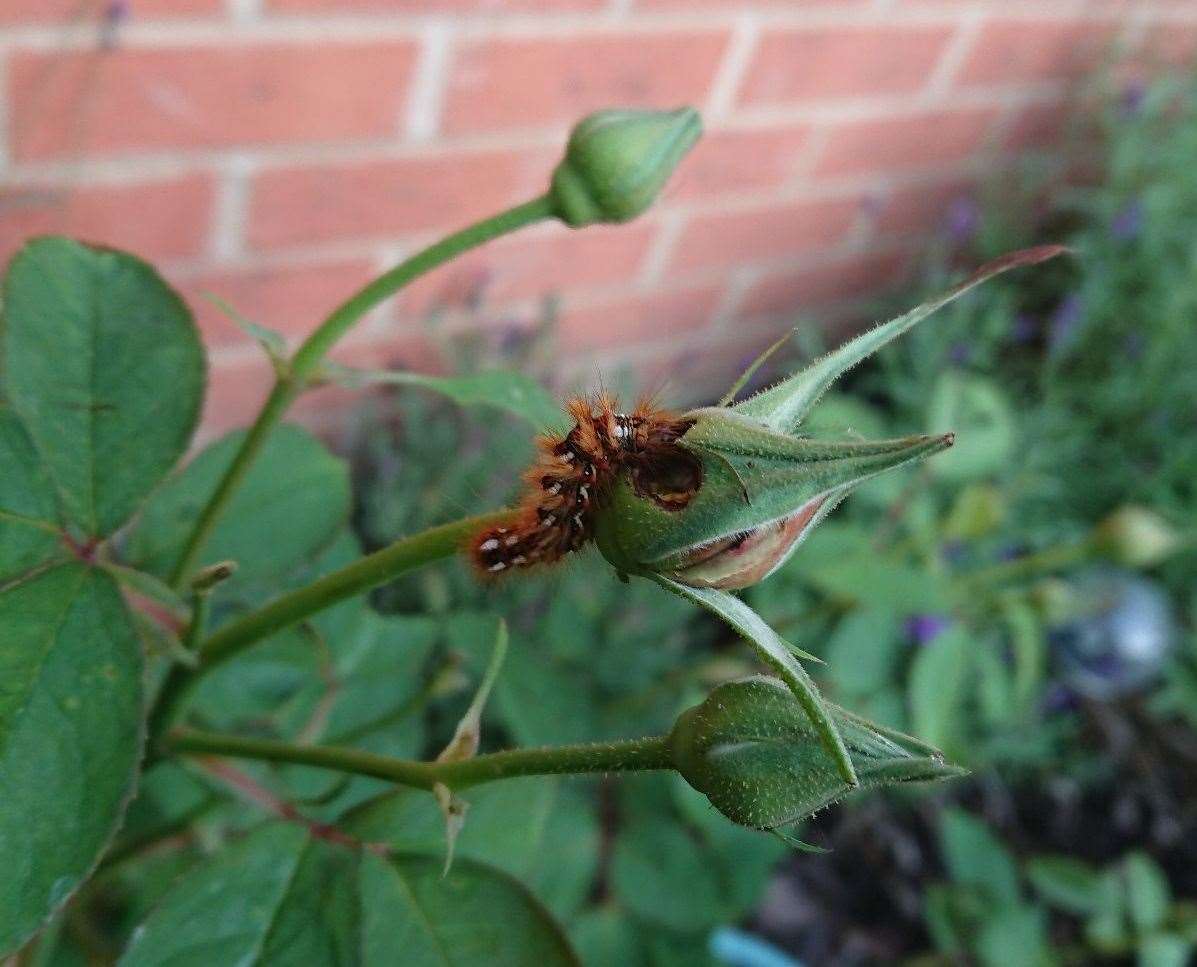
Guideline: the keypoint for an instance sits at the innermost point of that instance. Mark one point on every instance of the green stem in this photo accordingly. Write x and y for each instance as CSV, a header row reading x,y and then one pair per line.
x,y
201,609
309,355
1042,562
629,755
289,609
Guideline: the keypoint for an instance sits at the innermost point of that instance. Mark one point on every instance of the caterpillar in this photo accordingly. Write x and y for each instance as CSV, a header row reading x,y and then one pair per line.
x,y
572,478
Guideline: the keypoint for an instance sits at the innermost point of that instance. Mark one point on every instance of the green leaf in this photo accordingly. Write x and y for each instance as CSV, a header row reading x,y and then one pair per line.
x,y
1164,950
70,737
1066,882
282,897
604,935
975,857
779,655
105,368
29,531
1147,892
273,343
935,687
983,419
662,874
863,652
539,829
514,392
292,503
783,407
1015,935
1106,929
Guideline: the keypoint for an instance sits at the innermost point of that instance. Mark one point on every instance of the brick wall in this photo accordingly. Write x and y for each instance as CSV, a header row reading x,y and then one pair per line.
x,y
279,152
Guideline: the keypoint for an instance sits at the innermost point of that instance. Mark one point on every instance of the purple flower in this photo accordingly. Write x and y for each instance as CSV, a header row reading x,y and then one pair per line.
x,y
1128,223
952,552
1064,323
513,336
872,204
1011,552
1133,96
1024,328
1134,344
1058,699
115,14
924,628
964,218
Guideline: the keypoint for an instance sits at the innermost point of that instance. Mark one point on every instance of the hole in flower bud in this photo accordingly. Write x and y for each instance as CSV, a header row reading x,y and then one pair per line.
x,y
668,476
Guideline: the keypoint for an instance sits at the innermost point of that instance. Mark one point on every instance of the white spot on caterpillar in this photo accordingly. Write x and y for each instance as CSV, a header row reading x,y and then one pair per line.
x,y
583,492
519,559
497,566
512,541
555,489
568,456
490,544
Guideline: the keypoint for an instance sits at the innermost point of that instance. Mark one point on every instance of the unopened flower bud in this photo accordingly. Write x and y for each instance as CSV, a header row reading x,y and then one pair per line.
x,y
209,577
617,161
746,487
1134,536
753,752
761,492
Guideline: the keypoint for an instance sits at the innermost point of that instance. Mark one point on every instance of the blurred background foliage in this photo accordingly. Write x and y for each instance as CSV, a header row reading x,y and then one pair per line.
x,y
1027,601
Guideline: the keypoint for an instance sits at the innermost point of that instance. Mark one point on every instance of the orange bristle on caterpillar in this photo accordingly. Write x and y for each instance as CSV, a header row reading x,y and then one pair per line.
x,y
573,474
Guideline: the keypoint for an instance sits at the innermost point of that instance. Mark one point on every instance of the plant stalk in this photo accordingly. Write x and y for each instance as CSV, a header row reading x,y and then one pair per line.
x,y
1033,565
625,756
293,607
304,365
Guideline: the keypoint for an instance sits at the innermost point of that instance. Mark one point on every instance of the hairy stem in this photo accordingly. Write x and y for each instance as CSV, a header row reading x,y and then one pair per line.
x,y
308,357
293,607
629,755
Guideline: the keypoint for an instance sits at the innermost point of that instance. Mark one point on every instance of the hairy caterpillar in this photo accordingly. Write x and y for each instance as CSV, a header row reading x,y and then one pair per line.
x,y
573,475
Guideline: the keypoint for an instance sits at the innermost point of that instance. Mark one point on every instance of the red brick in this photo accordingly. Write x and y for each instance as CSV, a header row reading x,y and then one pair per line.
x,y
236,391
528,266
792,291
635,319
329,405
811,63
389,198
74,11
1039,126
777,232
1010,52
156,220
895,143
728,162
920,209
437,6
128,100
291,300
1174,44
839,5
528,82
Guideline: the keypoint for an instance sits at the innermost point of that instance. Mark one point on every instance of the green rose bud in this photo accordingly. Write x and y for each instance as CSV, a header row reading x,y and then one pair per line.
x,y
1136,537
761,493
745,488
617,161
754,753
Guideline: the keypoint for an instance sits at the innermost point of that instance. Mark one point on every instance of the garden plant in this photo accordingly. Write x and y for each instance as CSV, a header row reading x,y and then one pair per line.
x,y
168,635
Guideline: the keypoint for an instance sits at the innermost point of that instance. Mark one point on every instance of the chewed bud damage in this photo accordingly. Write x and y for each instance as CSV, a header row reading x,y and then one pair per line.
x,y
573,476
